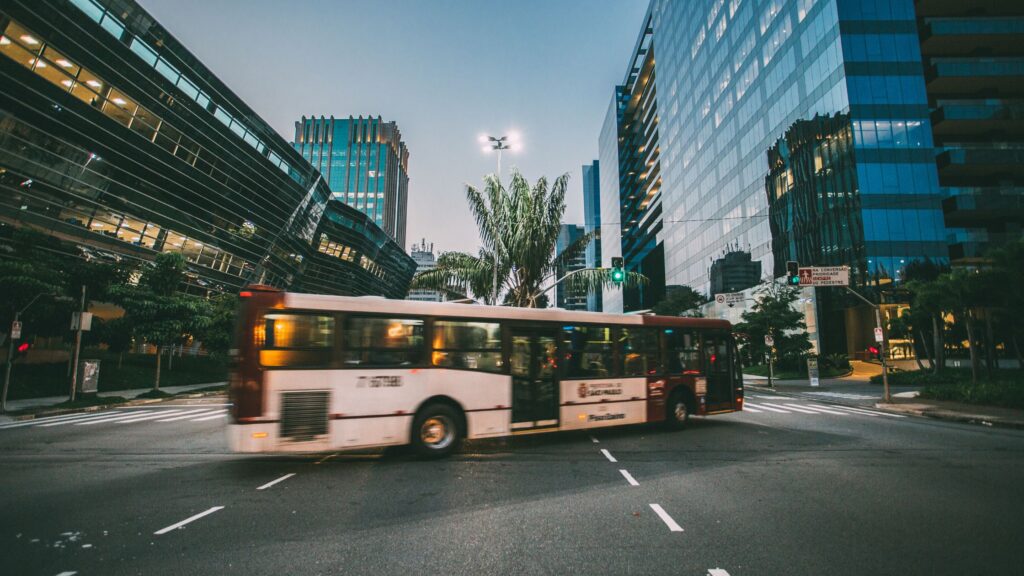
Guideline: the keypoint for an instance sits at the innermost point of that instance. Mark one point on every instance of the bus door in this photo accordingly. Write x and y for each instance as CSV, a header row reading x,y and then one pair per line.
x,y
534,367
718,368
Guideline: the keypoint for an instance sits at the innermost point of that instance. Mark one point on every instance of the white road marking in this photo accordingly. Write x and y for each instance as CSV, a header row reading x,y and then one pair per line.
x,y
747,408
272,482
148,417
666,518
189,415
326,458
220,414
187,520
594,440
107,419
791,407
106,416
51,420
608,455
768,408
869,412
629,478
763,397
67,574
717,572
846,395
822,409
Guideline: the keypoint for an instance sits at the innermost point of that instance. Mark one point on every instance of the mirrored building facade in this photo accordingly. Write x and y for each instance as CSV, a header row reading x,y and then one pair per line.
x,y
117,141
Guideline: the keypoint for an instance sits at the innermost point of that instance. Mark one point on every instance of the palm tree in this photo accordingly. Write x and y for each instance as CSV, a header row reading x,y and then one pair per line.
x,y
518,231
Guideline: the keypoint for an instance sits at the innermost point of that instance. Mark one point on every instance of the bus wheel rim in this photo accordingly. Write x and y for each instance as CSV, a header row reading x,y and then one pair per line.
x,y
437,432
680,410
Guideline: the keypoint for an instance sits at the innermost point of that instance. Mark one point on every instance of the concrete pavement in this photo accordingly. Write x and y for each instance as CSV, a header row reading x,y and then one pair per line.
x,y
789,486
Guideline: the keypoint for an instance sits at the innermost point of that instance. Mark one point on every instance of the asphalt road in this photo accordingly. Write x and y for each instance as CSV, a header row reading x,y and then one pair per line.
x,y
797,487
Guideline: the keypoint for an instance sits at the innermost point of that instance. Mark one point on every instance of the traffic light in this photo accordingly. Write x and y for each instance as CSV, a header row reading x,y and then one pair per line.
x,y
793,273
618,275
21,350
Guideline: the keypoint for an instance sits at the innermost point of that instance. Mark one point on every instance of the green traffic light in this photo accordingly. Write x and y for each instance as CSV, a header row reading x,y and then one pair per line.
x,y
618,275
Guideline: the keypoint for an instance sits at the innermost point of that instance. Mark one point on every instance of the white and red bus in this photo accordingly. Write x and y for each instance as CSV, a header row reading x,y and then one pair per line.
x,y
317,373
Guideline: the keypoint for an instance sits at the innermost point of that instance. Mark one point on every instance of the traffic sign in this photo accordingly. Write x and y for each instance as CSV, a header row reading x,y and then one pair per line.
x,y
812,370
768,340
15,330
878,334
825,276
729,298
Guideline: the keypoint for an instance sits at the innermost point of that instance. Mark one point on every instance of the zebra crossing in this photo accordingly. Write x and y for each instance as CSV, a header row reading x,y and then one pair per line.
x,y
784,405
124,416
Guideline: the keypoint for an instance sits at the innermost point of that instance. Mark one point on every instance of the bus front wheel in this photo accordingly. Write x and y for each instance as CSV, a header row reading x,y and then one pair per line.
x,y
435,431
677,411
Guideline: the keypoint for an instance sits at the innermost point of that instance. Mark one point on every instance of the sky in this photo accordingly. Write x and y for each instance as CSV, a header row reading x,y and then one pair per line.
x,y
445,70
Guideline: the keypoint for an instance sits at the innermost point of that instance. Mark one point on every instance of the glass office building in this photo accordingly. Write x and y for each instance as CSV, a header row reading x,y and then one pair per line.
x,y
365,163
119,143
592,224
567,235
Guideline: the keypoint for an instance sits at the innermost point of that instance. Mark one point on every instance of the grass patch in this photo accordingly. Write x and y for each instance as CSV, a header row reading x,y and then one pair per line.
x,y
136,371
786,374
1005,390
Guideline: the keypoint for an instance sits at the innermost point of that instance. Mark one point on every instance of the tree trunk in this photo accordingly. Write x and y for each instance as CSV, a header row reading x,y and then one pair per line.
x,y
990,345
972,347
924,344
170,358
939,338
159,353
120,359
1016,349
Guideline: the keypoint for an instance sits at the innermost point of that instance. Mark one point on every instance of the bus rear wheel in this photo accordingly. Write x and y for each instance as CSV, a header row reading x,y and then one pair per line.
x,y
436,431
677,411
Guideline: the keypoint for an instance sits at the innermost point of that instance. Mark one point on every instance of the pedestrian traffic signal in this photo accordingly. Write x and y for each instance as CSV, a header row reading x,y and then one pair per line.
x,y
21,350
793,273
618,275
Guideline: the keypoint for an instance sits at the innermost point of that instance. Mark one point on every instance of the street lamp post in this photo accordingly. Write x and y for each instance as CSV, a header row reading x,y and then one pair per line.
x,y
498,143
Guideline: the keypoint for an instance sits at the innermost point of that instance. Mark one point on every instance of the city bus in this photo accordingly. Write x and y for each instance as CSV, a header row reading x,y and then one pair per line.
x,y
316,373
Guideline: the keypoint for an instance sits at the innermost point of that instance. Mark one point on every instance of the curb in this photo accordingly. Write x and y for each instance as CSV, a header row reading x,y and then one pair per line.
x,y
134,402
938,414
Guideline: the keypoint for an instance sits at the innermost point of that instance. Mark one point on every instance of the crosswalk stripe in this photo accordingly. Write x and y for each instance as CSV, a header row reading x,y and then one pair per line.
x,y
39,421
121,416
747,408
215,416
86,419
793,407
869,412
815,410
135,418
779,410
189,415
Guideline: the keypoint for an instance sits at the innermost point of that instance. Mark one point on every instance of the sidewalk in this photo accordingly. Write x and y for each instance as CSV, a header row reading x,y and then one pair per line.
x,y
957,412
16,405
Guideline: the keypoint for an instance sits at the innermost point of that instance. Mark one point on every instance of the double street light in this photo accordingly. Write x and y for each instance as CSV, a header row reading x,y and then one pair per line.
x,y
500,144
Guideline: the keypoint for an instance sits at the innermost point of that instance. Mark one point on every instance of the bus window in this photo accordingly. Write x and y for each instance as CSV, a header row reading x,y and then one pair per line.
x,y
467,345
290,340
382,342
682,351
588,352
640,352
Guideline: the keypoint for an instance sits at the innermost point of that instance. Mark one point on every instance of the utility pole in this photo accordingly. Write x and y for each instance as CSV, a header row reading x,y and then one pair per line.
x,y
78,347
881,345
10,354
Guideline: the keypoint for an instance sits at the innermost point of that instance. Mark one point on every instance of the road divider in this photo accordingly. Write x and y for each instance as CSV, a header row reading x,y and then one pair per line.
x,y
272,482
163,531
672,525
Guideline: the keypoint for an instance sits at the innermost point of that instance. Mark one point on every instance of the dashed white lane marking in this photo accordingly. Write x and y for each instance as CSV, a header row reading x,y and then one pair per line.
x,y
67,574
666,518
717,572
608,455
272,482
191,415
594,440
788,407
220,414
768,408
629,478
798,408
187,520
822,409
747,408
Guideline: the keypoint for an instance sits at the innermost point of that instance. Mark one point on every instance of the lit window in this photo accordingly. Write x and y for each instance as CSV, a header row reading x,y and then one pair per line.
x,y
119,107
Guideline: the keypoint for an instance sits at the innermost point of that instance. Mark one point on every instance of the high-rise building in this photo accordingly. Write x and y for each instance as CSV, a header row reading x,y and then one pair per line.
x,y
365,163
973,56
592,224
821,104
734,272
423,255
567,236
637,211
117,143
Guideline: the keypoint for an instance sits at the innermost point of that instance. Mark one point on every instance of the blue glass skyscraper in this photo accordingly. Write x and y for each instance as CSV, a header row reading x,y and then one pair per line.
x,y
592,223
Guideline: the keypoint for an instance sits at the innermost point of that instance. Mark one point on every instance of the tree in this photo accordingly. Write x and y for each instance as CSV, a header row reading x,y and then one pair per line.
x,y
219,335
156,312
678,299
773,314
517,262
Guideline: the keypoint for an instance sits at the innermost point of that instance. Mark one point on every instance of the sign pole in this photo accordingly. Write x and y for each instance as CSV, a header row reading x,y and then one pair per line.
x,y
78,346
881,347
10,360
